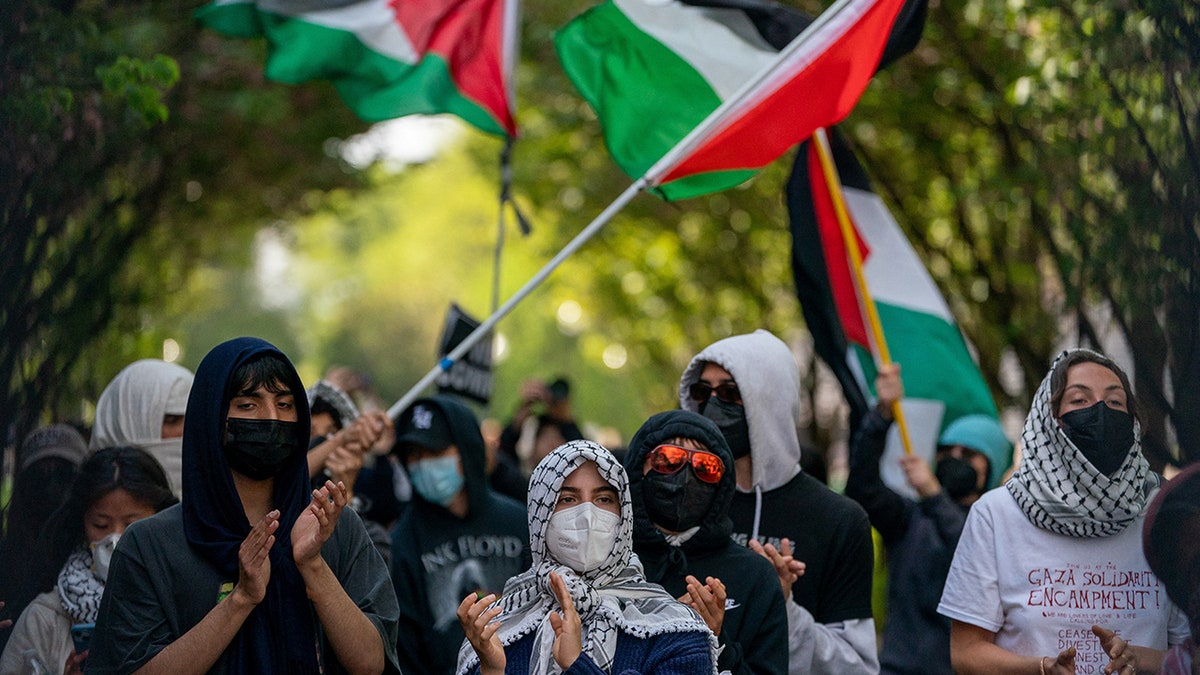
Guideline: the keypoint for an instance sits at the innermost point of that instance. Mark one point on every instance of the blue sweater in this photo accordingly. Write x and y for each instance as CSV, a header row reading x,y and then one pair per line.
x,y
666,654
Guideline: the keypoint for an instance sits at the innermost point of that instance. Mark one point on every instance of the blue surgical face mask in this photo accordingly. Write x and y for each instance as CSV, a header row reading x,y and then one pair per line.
x,y
436,479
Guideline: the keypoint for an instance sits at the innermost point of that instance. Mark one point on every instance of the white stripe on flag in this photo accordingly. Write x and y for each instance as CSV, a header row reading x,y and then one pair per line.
x,y
722,45
896,276
372,21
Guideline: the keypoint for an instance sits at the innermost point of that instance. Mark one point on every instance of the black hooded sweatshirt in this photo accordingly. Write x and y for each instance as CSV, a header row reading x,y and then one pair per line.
x,y
438,558
754,634
172,568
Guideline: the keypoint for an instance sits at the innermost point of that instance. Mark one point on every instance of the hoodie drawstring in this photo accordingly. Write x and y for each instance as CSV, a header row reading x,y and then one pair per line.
x,y
757,511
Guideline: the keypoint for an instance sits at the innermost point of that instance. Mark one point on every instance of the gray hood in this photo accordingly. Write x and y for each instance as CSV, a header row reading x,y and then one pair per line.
x,y
767,375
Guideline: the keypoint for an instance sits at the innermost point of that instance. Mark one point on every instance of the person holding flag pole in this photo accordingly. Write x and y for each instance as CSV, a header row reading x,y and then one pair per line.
x,y
846,41
920,533
854,254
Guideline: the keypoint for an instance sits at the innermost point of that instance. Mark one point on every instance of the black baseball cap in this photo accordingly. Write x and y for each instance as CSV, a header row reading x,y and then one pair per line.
x,y
425,425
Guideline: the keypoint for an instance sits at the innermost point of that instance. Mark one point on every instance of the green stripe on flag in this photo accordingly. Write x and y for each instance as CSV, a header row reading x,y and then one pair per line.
x,y
934,361
628,77
426,88
376,87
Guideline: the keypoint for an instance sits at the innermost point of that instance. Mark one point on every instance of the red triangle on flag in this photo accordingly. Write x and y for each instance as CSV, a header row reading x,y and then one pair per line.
x,y
837,261
815,84
470,36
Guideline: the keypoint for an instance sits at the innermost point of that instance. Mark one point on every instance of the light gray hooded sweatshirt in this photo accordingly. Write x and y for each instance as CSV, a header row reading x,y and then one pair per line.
x,y
769,381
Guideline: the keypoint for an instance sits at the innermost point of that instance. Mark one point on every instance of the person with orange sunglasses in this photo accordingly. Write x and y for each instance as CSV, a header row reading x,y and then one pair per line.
x,y
681,481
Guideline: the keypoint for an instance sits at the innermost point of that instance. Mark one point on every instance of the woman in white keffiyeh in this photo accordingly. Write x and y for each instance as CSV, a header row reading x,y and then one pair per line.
x,y
1051,564
115,487
584,606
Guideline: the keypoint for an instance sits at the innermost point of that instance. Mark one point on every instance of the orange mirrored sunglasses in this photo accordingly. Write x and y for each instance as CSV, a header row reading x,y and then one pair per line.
x,y
668,458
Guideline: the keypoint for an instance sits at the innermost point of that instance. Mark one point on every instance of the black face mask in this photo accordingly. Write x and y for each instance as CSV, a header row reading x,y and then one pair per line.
x,y
1104,435
730,418
957,477
258,449
676,501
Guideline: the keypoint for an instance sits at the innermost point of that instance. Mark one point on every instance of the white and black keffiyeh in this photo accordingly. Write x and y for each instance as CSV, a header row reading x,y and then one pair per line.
x,y
1060,491
339,400
614,597
79,588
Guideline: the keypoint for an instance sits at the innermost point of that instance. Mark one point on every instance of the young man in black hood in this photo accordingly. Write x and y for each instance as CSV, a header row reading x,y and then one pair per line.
x,y
681,480
253,572
456,537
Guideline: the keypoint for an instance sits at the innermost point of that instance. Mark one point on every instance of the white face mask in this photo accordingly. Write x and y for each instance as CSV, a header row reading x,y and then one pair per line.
x,y
581,537
102,552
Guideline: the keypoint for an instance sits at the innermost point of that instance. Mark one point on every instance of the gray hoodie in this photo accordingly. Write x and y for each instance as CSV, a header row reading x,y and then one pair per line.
x,y
831,531
766,373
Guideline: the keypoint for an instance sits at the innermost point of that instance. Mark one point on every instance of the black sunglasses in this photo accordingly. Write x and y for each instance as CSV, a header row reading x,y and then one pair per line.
x,y
727,392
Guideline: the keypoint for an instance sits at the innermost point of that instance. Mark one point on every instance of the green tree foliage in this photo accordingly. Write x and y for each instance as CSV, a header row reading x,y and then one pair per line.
x,y
77,190
1041,156
133,146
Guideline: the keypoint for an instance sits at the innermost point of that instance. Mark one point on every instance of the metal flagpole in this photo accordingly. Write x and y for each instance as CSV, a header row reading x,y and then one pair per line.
x,y
717,117
580,239
834,182
650,178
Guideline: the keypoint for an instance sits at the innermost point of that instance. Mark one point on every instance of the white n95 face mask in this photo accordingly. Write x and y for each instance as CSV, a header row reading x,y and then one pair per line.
x,y
102,552
581,537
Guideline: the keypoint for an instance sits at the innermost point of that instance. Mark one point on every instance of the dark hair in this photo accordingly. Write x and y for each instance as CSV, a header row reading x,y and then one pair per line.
x,y
264,370
37,492
320,405
560,389
1171,542
1058,378
121,468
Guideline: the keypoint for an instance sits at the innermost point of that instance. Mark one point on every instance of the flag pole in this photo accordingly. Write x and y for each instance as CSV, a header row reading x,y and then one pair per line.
x,y
510,35
719,116
649,178
580,239
825,154
505,184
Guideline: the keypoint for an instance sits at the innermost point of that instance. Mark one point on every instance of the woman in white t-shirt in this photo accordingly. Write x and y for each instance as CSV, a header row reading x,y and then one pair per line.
x,y
1049,576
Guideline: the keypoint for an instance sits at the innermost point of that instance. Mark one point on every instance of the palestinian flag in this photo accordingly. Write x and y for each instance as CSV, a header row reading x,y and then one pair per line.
x,y
941,380
388,58
656,70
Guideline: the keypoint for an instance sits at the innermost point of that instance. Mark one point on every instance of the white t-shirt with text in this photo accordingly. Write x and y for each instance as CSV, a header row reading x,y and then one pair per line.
x,y
1041,592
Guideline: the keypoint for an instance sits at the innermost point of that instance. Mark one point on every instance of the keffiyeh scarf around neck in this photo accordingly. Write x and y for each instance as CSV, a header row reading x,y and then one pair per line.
x,y
1060,491
614,597
78,587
